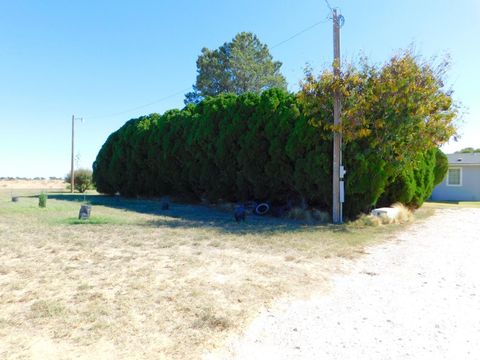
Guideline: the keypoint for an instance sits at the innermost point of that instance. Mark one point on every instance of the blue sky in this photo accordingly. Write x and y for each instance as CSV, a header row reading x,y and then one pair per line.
x,y
100,59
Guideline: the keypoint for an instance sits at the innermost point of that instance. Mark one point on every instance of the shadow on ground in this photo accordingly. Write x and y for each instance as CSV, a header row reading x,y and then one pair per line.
x,y
200,216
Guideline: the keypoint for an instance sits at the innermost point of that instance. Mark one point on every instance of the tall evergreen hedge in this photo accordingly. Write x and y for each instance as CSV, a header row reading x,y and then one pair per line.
x,y
415,183
251,146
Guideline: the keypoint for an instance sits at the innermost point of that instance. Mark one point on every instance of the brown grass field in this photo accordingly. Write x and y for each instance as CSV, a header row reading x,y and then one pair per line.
x,y
18,185
139,282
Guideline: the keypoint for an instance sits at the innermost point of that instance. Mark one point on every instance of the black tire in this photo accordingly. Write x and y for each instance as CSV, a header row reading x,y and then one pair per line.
x,y
262,209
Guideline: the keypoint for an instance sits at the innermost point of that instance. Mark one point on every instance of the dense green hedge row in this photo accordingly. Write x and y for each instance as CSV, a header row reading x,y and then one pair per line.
x,y
251,147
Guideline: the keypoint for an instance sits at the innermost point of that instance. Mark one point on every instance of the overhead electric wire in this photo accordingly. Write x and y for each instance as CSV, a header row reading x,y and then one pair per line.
x,y
298,34
141,106
185,90
328,4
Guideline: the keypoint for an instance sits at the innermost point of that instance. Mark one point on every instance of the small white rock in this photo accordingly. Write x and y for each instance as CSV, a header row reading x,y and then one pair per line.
x,y
389,212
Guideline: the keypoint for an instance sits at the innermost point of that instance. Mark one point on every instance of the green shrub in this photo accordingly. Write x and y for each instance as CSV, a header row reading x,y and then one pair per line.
x,y
83,180
441,166
42,200
415,183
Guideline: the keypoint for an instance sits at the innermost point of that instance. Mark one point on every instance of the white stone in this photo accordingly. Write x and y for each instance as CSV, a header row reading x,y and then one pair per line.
x,y
389,212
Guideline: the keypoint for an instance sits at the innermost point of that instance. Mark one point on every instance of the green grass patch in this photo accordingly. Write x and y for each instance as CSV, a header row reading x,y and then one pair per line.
x,y
64,211
47,309
93,220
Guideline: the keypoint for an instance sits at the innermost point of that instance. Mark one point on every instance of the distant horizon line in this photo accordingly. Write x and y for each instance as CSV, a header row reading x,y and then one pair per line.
x,y
9,178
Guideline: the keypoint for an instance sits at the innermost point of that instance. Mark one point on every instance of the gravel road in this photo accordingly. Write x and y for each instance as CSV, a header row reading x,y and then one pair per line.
x,y
416,297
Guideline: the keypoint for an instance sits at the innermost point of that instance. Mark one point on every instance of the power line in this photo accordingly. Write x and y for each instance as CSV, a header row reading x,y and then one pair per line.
x,y
328,4
141,106
299,33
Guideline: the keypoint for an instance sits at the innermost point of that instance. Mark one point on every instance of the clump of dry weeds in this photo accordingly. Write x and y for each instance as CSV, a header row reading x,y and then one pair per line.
x,y
404,215
46,309
207,318
309,215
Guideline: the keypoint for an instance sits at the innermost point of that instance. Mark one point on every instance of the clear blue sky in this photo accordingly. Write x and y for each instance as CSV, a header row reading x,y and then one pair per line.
x,y
95,59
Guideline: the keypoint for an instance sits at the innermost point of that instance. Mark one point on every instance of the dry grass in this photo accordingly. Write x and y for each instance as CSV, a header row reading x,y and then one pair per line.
x,y
309,215
17,185
138,282
452,204
404,215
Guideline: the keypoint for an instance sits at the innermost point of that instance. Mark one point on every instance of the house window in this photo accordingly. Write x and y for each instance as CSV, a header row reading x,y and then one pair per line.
x,y
454,177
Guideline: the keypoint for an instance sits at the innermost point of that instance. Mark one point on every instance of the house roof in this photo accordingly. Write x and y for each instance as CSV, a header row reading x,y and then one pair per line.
x,y
464,158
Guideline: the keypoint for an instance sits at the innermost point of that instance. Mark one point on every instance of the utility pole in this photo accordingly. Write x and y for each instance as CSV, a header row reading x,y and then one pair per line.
x,y
72,170
72,167
338,190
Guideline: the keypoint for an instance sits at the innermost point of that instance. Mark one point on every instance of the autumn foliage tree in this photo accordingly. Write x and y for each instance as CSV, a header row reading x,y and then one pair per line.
x,y
393,116
402,107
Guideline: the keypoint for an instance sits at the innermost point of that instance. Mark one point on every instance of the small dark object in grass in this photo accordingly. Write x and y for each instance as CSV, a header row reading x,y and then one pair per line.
x,y
42,200
239,213
15,199
84,212
262,209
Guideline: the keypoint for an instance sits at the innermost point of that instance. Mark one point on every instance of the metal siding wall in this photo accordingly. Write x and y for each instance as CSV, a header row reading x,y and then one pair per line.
x,y
469,191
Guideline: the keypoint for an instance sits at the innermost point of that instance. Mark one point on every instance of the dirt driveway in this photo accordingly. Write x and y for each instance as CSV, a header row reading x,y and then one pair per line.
x,y
417,297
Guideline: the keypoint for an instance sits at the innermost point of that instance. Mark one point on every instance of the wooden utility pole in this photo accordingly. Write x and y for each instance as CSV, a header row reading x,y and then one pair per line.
x,y
337,135
72,170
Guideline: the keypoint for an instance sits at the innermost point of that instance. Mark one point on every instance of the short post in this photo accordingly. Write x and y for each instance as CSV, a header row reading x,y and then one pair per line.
x,y
84,213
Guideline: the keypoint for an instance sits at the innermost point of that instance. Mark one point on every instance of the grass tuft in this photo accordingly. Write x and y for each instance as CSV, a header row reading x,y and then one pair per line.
x,y
309,215
225,207
404,214
46,309
300,214
322,217
207,319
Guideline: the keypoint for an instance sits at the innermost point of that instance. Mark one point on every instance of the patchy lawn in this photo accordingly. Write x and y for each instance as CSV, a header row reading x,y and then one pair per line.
x,y
139,282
